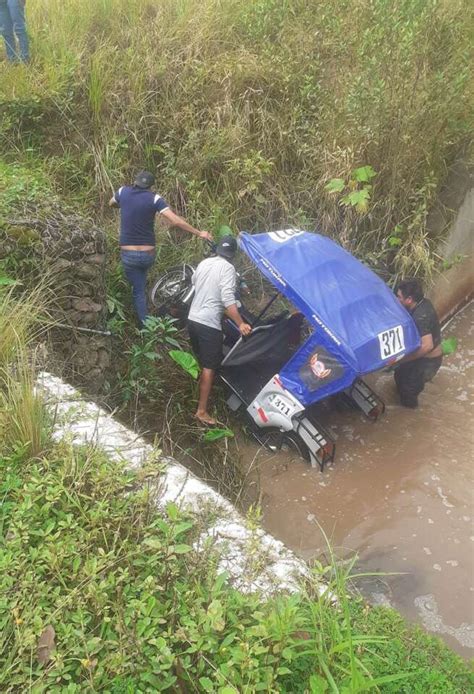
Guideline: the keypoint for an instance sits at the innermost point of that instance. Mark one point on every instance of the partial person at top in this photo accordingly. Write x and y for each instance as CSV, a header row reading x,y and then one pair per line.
x,y
138,205
420,367
13,28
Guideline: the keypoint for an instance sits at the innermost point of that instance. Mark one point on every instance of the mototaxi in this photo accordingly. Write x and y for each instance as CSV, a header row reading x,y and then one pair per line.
x,y
356,326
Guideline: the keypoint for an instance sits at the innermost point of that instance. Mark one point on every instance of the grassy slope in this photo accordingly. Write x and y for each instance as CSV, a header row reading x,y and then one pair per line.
x,y
134,610
246,110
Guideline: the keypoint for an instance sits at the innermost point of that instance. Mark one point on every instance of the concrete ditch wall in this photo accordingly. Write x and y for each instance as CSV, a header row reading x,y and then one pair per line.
x,y
254,560
455,285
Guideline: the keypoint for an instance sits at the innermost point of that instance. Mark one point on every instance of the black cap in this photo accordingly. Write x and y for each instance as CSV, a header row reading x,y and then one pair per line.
x,y
227,247
144,179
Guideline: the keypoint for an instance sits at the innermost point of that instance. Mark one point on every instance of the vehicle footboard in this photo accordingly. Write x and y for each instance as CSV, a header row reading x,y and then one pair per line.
x,y
366,399
320,444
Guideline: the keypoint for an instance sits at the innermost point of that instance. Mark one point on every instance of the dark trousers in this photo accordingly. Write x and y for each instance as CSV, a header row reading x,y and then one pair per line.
x,y
136,265
411,377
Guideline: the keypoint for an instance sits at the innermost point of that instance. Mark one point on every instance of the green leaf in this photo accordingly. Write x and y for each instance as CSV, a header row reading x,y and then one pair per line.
x,y
186,361
394,241
152,542
216,434
335,185
364,174
317,684
206,684
449,345
358,199
182,549
7,281
172,511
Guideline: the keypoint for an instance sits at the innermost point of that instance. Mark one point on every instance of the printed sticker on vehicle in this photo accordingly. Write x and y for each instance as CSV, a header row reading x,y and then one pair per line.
x,y
284,235
283,405
391,342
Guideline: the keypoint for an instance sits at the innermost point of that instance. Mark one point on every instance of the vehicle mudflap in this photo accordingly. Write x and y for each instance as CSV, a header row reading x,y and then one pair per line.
x,y
365,399
320,444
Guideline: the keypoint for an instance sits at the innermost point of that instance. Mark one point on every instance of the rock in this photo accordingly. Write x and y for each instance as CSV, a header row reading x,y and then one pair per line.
x,y
88,272
60,265
96,259
103,360
86,305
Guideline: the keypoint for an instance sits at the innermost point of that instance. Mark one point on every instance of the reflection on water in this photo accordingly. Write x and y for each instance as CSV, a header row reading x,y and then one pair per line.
x,y
399,493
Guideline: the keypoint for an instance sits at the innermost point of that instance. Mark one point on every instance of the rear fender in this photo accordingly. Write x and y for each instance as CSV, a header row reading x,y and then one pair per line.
x,y
274,406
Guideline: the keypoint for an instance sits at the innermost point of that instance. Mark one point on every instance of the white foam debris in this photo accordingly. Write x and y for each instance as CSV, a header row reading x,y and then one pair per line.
x,y
428,609
444,498
254,559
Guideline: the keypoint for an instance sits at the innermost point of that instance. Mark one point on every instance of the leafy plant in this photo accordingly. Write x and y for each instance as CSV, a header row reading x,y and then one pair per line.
x,y
217,434
359,188
142,378
187,362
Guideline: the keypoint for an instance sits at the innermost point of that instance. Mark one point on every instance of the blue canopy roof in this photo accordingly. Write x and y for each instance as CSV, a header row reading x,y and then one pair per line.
x,y
359,324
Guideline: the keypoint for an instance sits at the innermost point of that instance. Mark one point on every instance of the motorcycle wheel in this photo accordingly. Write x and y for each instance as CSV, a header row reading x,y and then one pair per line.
x,y
168,290
287,441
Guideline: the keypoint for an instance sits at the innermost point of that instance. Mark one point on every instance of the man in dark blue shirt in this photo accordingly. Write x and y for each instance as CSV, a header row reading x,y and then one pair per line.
x,y
138,206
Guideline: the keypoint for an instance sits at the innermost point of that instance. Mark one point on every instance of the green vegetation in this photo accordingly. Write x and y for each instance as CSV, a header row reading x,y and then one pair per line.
x,y
338,115
248,110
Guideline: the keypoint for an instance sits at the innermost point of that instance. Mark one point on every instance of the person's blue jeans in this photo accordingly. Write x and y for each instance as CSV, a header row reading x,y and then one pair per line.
x,y
12,22
136,265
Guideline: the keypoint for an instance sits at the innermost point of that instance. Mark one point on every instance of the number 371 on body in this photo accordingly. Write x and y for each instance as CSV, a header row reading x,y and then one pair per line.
x,y
391,342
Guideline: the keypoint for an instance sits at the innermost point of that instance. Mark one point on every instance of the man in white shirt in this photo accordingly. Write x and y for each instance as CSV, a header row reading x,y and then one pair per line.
x,y
215,286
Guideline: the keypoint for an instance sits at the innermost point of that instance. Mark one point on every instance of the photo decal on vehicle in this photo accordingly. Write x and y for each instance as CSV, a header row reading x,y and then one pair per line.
x,y
320,369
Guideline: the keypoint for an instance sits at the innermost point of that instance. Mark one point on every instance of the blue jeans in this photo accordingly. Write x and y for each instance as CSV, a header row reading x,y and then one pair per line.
x,y
136,265
12,22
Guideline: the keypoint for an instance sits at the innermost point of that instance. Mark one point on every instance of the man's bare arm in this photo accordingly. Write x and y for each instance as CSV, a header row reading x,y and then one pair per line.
x,y
425,347
233,313
178,221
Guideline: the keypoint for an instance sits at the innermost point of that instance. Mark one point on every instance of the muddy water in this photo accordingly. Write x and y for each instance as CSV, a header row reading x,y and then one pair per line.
x,y
399,494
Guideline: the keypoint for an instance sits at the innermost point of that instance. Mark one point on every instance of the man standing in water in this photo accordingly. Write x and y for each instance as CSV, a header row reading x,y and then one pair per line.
x,y
138,207
12,23
416,369
215,286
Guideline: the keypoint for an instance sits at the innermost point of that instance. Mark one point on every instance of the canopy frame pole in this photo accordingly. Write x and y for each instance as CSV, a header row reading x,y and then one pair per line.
x,y
265,309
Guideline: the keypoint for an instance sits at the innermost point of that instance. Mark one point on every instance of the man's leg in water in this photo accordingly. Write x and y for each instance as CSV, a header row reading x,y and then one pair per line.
x,y
205,384
410,382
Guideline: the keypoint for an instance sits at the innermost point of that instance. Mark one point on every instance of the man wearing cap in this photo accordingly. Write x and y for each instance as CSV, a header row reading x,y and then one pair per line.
x,y
214,282
138,207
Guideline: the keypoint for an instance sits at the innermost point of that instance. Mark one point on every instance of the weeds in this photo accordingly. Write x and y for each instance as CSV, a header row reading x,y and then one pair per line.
x,y
129,606
142,378
247,111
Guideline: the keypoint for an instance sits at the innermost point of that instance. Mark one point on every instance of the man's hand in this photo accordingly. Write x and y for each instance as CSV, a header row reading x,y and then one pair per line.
x,y
245,329
205,235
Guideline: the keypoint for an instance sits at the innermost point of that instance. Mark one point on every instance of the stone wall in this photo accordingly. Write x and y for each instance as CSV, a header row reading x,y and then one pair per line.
x,y
67,253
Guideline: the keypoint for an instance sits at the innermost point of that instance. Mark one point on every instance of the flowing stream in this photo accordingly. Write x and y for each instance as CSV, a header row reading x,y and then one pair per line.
x,y
399,494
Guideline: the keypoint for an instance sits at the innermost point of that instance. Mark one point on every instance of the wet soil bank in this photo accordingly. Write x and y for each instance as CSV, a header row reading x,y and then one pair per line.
x,y
399,494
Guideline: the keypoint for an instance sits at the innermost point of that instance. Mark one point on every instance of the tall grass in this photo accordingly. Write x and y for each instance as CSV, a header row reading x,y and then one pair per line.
x,y
246,110
24,422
